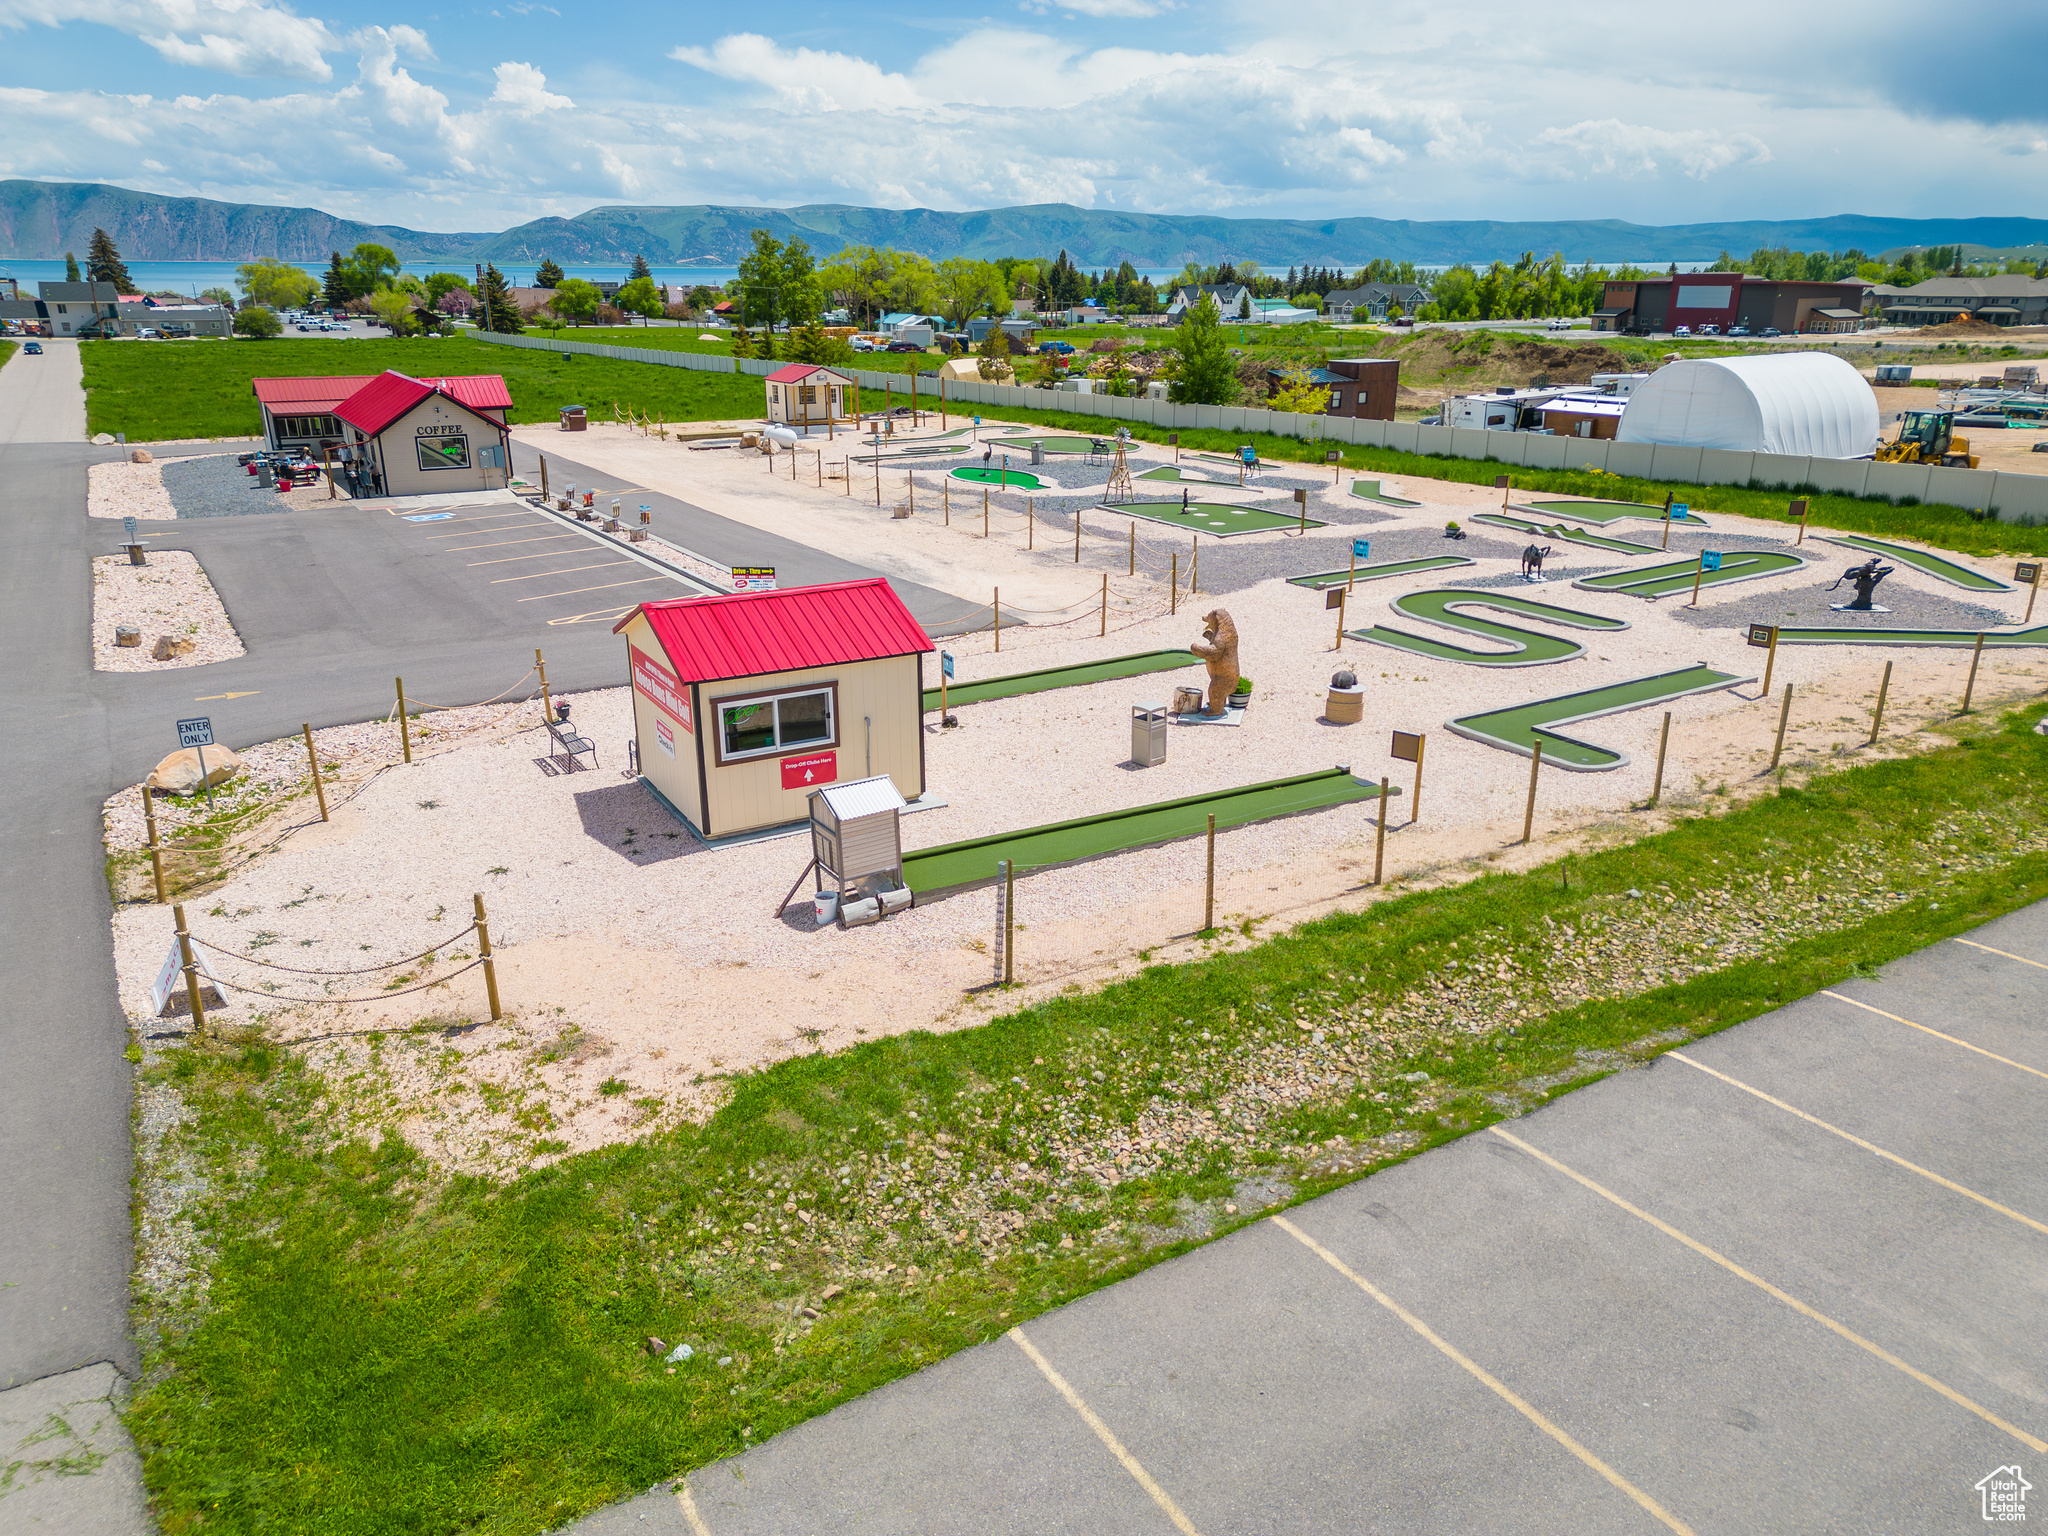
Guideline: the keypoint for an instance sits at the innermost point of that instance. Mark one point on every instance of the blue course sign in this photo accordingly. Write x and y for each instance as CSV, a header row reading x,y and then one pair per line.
x,y
946,663
1710,559
1362,548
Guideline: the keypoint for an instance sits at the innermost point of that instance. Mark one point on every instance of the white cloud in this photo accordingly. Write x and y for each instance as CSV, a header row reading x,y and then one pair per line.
x,y
1100,9
235,37
1610,147
524,89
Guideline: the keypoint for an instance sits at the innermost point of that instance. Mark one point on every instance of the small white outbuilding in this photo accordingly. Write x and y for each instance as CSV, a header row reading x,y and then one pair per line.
x,y
1805,403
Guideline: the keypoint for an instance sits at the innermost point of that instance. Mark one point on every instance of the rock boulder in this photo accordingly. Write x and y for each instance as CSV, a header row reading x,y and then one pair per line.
x,y
178,774
140,456
169,647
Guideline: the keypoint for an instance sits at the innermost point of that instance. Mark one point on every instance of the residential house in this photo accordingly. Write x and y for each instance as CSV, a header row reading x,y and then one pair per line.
x,y
1373,301
2009,300
1229,297
1361,387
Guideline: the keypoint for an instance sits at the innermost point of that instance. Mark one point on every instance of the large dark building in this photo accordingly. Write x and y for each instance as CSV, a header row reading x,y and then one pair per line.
x,y
1728,299
1359,386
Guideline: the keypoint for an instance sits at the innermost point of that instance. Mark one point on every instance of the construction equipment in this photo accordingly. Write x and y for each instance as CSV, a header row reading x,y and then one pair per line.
x,y
1927,437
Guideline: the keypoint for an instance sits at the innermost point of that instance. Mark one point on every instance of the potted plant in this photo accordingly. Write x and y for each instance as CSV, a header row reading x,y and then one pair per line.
x,y
1453,531
1241,695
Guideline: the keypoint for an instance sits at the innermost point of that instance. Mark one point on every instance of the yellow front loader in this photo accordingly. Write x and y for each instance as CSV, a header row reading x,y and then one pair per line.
x,y
1928,437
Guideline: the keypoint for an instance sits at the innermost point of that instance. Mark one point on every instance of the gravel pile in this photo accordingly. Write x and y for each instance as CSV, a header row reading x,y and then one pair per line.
x,y
169,596
216,486
121,489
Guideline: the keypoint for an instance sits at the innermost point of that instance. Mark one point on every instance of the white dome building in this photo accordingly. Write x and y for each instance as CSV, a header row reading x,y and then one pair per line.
x,y
1804,403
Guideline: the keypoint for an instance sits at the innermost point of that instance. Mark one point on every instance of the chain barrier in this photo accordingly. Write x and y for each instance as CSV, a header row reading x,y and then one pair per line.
x,y
298,970
378,998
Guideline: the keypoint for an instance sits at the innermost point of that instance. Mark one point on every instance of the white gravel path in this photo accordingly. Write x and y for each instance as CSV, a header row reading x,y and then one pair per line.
x,y
169,596
122,489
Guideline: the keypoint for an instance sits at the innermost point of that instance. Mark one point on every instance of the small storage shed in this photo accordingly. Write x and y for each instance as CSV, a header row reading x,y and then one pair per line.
x,y
856,834
744,705
1810,403
804,393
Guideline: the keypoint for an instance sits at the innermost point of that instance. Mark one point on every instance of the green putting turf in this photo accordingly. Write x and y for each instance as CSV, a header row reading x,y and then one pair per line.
x,y
1062,842
982,474
1519,727
1950,639
1922,560
1318,580
1439,605
1610,511
1054,444
1219,519
974,690
1677,576
1559,531
1173,472
1369,490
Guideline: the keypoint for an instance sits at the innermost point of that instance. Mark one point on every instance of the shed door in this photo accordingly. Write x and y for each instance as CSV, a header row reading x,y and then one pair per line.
x,y
871,844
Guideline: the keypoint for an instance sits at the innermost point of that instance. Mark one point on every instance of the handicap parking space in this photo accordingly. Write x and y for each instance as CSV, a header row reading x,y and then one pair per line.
x,y
1787,1278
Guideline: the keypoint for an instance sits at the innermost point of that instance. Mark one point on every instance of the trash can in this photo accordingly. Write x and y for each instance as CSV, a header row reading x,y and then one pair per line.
x,y
1148,735
575,419
1038,453
825,906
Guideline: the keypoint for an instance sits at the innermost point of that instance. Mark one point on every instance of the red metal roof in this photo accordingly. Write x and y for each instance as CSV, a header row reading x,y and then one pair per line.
x,y
750,634
799,371
384,399
308,396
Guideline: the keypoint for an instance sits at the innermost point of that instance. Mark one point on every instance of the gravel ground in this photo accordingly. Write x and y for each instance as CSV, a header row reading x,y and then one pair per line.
x,y
1910,609
169,596
216,486
122,489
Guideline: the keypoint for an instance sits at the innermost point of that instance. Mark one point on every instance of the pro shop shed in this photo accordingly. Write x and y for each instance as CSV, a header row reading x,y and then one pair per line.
x,y
300,412
743,705
804,393
427,437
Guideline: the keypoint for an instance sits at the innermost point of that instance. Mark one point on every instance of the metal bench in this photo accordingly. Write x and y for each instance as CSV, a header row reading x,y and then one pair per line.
x,y
566,739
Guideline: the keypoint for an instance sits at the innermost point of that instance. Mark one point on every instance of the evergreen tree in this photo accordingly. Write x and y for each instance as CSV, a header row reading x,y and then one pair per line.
x,y
994,354
500,312
547,274
334,291
71,273
1244,306
1206,376
103,263
742,341
640,270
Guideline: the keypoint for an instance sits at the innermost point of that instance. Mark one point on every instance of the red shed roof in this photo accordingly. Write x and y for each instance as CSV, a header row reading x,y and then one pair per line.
x,y
315,396
797,371
750,634
384,399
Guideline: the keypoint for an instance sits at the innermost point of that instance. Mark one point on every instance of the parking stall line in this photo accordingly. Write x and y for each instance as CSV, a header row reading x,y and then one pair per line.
x,y
499,581
542,538
1951,1039
1877,1350
1836,1130
1492,1383
2003,954
518,520
1115,1446
546,554
477,517
605,588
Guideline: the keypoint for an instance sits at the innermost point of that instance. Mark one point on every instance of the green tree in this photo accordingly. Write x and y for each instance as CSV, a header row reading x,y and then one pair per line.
x,y
810,344
369,268
640,297
103,263
965,286
275,284
1244,306
993,355
640,270
258,323
1298,391
500,312
1205,375
742,341
218,296
575,300
394,307
334,290
71,274
547,274
439,284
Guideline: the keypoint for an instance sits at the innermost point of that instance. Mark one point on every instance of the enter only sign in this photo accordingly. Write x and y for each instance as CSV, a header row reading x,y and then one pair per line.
x,y
811,771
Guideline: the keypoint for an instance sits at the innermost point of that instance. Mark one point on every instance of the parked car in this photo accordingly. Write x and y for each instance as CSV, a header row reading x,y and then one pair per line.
x,y
33,349
904,346
1738,330
1560,324
1683,330
861,344
1710,330
1403,321
1772,330
1047,348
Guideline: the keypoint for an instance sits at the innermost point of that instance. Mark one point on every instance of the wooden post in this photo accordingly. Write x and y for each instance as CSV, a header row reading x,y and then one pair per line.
x,y
1077,535
1697,572
156,856
1351,581
1665,542
1970,687
1415,802
996,606
1798,511
1173,588
1009,921
1134,549
543,477
1342,598
1105,605
2033,592
191,972
404,729
327,463
1877,717
1529,811
1770,661
1663,741
483,947
1379,839
1209,900
547,706
1784,715
313,762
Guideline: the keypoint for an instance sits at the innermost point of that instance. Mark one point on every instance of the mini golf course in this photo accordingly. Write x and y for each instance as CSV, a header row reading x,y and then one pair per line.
x,y
1609,511
1440,605
1520,727
974,690
1924,561
1677,575
1063,842
1560,531
1217,518
1369,490
1318,580
1001,479
1174,472
1051,444
1949,639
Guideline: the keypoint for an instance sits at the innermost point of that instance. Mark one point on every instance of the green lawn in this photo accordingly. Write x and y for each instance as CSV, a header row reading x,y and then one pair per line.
x,y
6,351
186,389
383,1348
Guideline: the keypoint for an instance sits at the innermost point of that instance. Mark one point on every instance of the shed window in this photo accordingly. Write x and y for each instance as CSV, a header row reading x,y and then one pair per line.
x,y
775,723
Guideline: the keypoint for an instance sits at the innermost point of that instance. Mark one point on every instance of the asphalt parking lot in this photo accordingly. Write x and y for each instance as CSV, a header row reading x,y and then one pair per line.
x,y
1788,1278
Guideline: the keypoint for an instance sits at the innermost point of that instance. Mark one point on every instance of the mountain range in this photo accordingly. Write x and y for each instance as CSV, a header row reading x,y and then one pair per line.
x,y
44,219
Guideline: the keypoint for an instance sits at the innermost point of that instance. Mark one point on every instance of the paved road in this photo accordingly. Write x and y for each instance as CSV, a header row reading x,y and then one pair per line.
x,y
1682,1299
41,398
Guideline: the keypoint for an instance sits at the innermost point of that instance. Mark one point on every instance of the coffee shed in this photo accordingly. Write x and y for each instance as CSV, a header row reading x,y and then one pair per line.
x,y
743,705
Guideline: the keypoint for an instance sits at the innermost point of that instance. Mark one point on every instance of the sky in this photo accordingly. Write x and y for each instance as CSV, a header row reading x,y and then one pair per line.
x,y
480,117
